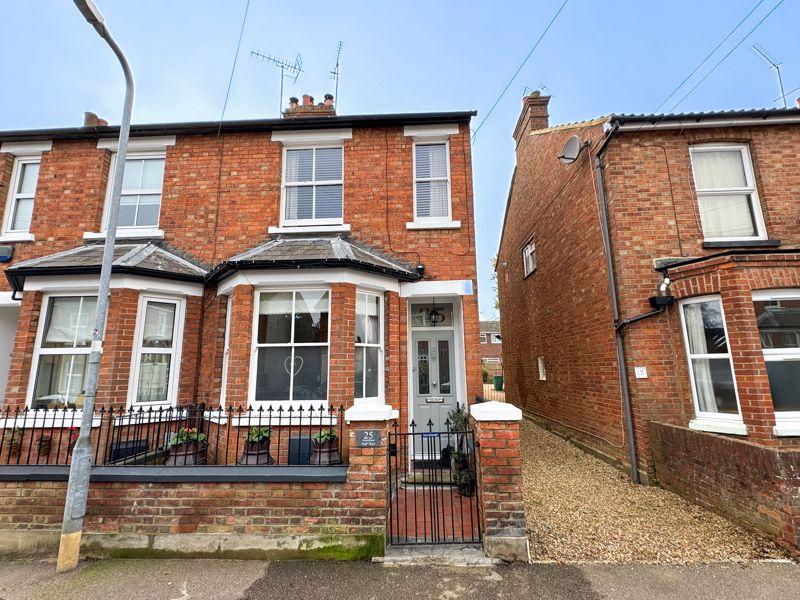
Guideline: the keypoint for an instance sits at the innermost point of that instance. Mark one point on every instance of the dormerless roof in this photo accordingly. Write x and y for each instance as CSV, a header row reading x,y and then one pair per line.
x,y
756,116
148,259
490,326
206,127
318,251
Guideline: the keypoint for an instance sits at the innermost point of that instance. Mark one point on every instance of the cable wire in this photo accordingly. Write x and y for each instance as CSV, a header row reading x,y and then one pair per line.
x,y
514,76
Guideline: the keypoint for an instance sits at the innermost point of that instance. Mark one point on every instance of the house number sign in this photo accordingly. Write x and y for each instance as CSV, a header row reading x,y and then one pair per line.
x,y
368,438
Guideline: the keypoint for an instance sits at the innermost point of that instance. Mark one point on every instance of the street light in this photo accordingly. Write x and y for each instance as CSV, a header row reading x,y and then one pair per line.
x,y
80,468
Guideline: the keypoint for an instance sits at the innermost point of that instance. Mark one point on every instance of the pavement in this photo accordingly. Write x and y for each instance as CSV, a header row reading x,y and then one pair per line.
x,y
254,580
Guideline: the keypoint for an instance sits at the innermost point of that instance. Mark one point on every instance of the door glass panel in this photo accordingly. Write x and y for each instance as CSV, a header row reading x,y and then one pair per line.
x,y
423,370
444,366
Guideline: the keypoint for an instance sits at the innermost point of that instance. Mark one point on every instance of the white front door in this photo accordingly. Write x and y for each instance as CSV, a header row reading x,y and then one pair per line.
x,y
8,329
433,373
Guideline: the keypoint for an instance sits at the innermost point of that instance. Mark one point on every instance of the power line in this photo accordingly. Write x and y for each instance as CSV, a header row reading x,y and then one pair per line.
x,y
731,51
233,67
709,55
513,77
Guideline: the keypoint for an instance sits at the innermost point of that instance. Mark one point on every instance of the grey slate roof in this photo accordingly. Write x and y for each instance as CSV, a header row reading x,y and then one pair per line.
x,y
148,258
490,326
755,113
315,251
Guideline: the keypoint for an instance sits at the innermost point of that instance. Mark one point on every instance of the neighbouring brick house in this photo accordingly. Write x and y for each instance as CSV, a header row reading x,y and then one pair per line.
x,y
264,270
491,348
700,207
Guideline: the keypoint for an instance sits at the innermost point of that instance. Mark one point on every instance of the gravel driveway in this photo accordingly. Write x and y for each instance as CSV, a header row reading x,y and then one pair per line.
x,y
579,509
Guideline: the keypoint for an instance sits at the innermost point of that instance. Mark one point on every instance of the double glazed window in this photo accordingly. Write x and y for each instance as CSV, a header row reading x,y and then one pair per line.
x,y
19,208
313,183
431,182
778,318
292,346
726,193
157,358
710,364
529,258
142,183
369,346
63,352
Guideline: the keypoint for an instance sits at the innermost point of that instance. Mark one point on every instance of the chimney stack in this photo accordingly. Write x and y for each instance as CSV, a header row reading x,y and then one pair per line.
x,y
534,115
90,119
307,108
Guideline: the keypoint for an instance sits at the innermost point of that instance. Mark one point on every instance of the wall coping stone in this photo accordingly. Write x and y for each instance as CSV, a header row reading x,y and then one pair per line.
x,y
495,411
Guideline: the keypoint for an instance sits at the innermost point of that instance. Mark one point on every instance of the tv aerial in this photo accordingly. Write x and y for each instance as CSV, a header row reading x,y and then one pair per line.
x,y
288,70
773,64
335,71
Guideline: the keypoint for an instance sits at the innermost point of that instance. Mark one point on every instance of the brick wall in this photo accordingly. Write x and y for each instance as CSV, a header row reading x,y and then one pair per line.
x,y
749,483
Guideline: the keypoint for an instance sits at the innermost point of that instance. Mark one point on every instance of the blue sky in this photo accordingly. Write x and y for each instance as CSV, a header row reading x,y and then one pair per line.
x,y
599,57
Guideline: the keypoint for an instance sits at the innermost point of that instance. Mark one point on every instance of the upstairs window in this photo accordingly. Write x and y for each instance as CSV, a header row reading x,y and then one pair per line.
x,y
432,182
142,182
529,258
726,193
22,191
313,185
484,338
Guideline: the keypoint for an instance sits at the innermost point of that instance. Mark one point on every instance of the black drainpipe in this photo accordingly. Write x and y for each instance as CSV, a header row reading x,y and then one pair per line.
x,y
618,325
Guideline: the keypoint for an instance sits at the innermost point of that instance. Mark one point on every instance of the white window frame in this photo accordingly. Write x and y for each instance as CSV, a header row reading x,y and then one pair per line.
x,y
446,221
379,346
751,189
13,197
226,351
542,368
485,338
495,338
176,351
729,423
529,259
38,351
140,230
251,388
313,184
779,354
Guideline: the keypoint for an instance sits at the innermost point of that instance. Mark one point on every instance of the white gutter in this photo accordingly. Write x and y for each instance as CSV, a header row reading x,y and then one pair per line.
x,y
706,123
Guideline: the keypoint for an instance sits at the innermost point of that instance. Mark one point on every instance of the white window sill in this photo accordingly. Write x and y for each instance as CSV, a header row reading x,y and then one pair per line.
x,y
786,429
310,229
714,426
126,234
433,225
17,237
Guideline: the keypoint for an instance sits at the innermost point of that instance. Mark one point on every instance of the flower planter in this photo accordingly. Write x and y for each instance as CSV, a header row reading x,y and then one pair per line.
x,y
326,453
256,453
187,454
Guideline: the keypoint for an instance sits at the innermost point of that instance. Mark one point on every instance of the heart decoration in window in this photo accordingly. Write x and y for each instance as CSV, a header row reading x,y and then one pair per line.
x,y
293,371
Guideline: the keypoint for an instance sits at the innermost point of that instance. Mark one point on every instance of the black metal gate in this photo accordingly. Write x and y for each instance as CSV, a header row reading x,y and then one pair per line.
x,y
433,487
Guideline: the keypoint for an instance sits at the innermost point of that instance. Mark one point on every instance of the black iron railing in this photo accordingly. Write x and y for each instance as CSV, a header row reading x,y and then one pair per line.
x,y
191,435
433,486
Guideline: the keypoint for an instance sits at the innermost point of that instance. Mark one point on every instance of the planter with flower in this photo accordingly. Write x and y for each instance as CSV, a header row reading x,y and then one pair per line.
x,y
72,439
325,450
187,447
256,447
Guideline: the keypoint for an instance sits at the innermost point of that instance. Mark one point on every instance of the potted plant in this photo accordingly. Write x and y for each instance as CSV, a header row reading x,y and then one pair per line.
x,y
460,461
187,447
13,441
465,481
458,419
256,447
326,448
45,442
72,439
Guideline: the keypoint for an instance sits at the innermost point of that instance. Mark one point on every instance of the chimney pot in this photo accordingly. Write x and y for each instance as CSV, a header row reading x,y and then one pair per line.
x,y
90,119
306,108
328,99
798,102
308,100
293,102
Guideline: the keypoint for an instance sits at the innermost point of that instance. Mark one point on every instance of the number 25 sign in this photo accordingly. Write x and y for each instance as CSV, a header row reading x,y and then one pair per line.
x,y
368,438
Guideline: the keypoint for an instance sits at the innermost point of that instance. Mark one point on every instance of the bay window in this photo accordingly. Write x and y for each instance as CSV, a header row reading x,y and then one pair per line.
x,y
778,319
369,346
157,352
313,185
710,364
291,346
62,352
726,193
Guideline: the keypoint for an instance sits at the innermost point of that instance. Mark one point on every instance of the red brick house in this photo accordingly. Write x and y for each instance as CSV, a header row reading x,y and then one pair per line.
x,y
491,348
650,290
294,274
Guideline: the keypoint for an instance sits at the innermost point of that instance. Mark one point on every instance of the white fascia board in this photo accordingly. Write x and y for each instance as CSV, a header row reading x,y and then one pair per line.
x,y
26,148
6,299
426,132
307,277
89,283
706,123
312,136
140,144
455,287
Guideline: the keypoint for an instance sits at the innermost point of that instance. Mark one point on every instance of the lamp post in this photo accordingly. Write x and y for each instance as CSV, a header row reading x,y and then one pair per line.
x,y
80,468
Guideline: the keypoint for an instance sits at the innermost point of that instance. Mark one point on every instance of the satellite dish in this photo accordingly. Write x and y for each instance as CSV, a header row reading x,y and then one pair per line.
x,y
570,151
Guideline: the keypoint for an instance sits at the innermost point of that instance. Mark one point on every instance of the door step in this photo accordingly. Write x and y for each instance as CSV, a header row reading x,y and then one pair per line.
x,y
445,555
442,478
